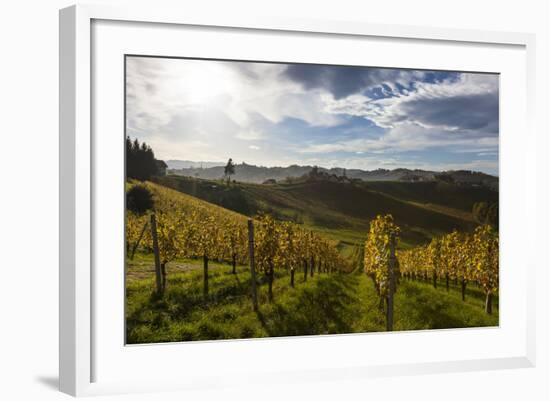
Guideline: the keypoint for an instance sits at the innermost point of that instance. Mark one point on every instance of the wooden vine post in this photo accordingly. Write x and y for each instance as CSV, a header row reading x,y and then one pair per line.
x,y
312,258
163,276
205,274
252,268
158,272
489,303
391,278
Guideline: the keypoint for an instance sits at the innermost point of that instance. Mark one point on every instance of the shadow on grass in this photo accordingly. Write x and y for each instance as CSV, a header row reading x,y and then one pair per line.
x,y
428,311
324,307
423,307
184,296
473,292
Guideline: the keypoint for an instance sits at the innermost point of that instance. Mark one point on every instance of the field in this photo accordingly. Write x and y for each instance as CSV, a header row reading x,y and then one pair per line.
x,y
324,304
201,298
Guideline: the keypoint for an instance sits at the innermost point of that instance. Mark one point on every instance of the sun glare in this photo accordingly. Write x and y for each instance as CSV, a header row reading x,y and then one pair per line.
x,y
202,85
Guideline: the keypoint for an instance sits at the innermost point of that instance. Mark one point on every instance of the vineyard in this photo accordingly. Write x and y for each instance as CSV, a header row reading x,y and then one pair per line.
x,y
461,258
200,271
193,229
465,258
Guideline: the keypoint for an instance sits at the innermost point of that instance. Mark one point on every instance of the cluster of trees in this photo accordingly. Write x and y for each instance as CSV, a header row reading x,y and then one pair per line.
x,y
140,161
486,213
187,227
459,257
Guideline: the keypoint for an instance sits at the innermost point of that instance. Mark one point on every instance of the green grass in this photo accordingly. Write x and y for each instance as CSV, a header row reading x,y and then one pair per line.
x,y
324,304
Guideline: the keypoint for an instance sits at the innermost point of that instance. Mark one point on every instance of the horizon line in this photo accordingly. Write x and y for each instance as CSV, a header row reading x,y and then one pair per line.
x,y
221,164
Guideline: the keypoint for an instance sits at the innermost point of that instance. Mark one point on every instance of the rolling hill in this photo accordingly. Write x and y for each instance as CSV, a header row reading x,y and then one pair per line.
x,y
343,210
461,197
258,174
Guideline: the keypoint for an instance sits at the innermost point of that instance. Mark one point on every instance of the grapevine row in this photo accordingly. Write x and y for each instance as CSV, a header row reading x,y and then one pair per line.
x,y
461,257
189,228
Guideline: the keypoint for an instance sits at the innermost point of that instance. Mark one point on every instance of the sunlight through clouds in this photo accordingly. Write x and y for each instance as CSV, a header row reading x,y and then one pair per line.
x,y
277,114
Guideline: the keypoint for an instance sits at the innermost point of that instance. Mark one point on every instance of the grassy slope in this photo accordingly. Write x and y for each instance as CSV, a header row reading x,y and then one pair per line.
x,y
324,304
437,193
341,211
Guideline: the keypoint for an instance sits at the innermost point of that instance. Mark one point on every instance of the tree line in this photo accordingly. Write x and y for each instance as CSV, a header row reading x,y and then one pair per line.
x,y
140,161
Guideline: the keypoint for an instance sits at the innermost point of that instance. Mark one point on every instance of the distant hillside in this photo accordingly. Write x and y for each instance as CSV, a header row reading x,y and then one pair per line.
x,y
460,197
186,164
341,210
245,172
259,174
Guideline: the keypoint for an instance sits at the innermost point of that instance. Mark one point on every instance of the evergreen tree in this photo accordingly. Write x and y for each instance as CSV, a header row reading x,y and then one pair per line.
x,y
140,160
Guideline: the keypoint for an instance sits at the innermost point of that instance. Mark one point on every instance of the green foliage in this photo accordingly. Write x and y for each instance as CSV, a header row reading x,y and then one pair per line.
x,y
140,161
383,235
229,170
485,213
139,199
479,211
485,253
493,216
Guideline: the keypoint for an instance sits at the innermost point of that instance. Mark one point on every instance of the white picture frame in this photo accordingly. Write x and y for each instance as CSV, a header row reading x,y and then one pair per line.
x,y
82,343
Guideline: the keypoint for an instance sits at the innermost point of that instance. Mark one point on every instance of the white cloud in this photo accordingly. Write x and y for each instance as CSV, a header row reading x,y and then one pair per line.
x,y
173,103
250,134
459,113
198,110
407,137
408,106
160,90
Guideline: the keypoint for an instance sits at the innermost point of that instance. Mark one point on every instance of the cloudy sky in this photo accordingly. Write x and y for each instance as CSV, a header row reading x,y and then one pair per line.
x,y
331,116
